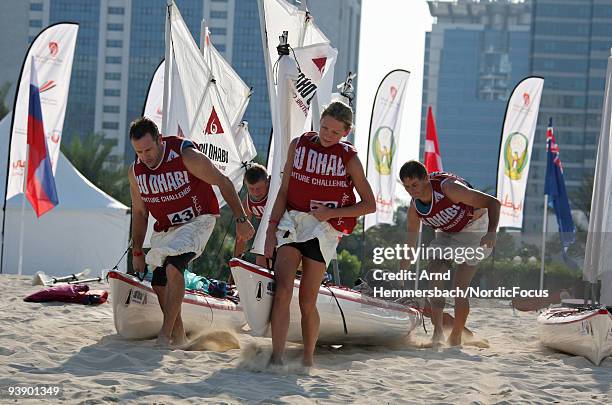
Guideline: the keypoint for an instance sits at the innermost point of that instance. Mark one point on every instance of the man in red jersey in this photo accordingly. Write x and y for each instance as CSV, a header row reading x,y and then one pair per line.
x,y
466,225
257,182
172,179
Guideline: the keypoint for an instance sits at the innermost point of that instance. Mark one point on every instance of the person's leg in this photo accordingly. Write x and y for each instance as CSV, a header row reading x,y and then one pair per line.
x,y
175,291
309,290
437,267
287,259
261,261
463,278
158,283
180,262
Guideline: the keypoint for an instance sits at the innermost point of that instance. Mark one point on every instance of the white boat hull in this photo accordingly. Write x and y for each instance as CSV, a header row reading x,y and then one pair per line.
x,y
582,333
368,320
137,313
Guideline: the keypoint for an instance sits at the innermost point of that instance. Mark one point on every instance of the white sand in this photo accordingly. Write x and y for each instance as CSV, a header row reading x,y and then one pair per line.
x,y
76,346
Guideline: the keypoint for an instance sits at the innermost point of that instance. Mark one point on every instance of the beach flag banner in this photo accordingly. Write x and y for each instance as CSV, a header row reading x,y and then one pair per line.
x,y
382,162
233,92
515,150
432,158
598,251
198,102
154,103
53,52
40,185
554,187
292,85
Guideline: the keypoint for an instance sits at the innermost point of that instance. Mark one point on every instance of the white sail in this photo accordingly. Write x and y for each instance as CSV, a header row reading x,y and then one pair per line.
x,y
234,93
205,102
304,78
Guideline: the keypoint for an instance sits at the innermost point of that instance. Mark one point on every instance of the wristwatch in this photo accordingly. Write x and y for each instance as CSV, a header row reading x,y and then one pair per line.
x,y
242,219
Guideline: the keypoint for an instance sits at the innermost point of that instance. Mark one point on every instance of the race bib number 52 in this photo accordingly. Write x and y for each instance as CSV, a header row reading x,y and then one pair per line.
x,y
328,204
181,217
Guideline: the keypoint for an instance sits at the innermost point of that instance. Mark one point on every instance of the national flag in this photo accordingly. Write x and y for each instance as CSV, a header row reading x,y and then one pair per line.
x,y
554,186
40,183
433,159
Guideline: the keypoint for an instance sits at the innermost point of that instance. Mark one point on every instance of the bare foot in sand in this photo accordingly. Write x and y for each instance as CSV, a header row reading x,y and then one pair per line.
x,y
454,339
179,341
162,342
275,361
308,362
438,337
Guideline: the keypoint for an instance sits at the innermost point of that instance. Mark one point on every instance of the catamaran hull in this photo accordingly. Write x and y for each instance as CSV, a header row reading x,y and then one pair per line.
x,y
368,320
137,313
582,333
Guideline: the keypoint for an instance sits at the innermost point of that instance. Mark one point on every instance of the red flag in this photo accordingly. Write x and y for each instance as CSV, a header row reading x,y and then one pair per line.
x,y
433,159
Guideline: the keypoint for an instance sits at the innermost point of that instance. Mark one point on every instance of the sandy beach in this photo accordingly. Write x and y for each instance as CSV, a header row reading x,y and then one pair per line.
x,y
77,348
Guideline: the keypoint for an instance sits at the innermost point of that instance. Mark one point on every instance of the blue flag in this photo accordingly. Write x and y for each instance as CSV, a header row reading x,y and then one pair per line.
x,y
554,186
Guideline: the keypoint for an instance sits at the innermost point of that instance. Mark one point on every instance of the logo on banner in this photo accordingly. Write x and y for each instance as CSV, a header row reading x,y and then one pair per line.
x,y
393,92
515,155
55,137
18,167
48,85
305,90
53,49
320,63
526,99
383,150
213,126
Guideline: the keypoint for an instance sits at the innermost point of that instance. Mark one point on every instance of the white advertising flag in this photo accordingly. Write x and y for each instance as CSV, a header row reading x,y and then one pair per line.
x,y
53,52
598,250
384,144
515,150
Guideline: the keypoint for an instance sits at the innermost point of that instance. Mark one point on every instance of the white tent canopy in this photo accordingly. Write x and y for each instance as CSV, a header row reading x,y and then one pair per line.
x,y
88,229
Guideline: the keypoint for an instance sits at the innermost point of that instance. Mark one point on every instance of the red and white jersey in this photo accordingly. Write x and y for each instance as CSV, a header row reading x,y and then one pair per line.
x,y
257,207
319,176
170,192
444,214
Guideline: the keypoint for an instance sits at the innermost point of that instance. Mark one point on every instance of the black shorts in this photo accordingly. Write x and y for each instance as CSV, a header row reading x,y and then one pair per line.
x,y
180,262
309,249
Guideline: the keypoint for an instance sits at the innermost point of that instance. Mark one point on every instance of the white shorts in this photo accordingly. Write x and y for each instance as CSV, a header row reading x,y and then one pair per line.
x,y
189,237
302,227
465,244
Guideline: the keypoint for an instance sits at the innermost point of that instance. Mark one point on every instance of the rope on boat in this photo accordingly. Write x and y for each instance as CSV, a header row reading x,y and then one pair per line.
x,y
340,308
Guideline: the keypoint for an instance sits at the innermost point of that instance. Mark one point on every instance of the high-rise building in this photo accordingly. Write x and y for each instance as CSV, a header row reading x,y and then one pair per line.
x,y
478,51
121,42
571,45
14,19
475,54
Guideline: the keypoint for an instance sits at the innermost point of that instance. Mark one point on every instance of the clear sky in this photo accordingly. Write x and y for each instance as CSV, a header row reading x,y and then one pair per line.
x,y
392,40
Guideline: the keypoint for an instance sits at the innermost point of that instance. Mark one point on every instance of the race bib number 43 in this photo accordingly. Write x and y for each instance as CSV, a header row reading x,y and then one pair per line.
x,y
181,217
